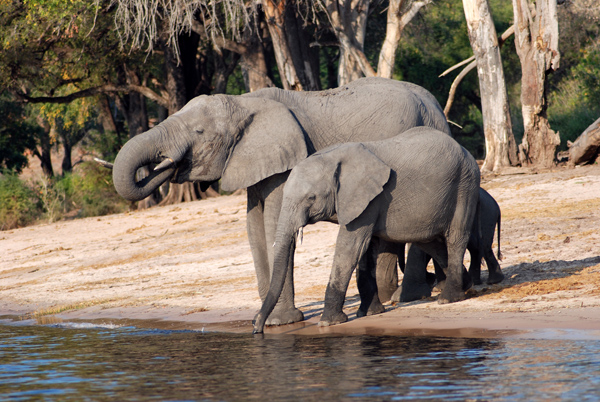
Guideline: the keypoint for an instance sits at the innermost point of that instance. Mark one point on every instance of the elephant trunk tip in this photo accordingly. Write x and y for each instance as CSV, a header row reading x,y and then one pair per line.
x,y
259,324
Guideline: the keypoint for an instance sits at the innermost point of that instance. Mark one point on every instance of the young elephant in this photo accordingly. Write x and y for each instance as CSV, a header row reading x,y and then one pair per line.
x,y
479,246
480,242
388,189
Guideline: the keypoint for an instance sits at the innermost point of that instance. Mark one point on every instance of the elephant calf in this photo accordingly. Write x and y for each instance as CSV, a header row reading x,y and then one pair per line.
x,y
388,189
479,246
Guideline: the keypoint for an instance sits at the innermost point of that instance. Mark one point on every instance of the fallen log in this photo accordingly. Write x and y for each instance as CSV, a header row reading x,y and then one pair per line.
x,y
586,146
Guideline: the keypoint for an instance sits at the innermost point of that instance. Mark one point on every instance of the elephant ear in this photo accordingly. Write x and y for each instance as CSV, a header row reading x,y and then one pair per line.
x,y
272,141
361,177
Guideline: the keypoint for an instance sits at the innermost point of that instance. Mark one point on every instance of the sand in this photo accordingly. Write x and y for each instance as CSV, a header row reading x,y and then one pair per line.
x,y
189,266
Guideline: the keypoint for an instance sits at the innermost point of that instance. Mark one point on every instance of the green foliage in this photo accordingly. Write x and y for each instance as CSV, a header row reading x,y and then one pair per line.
x,y
88,191
91,190
574,103
18,202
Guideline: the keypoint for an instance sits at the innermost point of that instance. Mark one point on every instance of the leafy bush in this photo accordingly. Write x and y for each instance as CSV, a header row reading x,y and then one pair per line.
x,y
90,189
575,104
18,202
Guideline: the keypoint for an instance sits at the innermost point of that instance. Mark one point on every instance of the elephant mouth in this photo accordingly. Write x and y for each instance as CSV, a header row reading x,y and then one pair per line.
x,y
182,172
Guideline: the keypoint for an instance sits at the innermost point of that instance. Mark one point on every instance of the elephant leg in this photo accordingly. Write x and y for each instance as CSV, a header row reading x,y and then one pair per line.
x,y
388,255
415,284
351,245
366,282
495,274
457,279
258,243
475,252
266,198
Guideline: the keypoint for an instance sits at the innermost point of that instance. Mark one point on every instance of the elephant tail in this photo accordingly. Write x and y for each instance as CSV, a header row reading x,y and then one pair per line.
x,y
499,222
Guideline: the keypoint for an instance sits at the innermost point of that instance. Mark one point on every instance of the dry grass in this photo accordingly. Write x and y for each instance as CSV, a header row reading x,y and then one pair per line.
x,y
584,279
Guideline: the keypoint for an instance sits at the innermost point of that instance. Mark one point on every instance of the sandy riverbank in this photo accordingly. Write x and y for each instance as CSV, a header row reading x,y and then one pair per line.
x,y
189,267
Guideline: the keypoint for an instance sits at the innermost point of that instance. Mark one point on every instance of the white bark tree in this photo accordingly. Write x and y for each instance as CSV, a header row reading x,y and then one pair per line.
x,y
349,21
499,140
536,41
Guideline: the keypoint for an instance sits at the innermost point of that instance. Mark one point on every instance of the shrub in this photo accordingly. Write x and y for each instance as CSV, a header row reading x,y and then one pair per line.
x,y
90,189
18,202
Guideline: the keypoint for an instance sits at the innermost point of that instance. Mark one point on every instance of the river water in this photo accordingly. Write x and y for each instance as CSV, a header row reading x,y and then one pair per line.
x,y
78,362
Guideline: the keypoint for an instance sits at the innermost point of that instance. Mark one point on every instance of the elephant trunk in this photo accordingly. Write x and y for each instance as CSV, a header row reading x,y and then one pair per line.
x,y
144,149
285,242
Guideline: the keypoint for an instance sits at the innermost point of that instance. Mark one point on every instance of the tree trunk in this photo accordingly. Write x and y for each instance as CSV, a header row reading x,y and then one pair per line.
x,y
106,118
349,21
44,151
536,41
297,64
499,140
396,22
254,64
67,163
586,146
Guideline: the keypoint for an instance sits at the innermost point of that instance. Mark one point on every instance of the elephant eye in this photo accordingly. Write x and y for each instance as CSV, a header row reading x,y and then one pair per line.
x,y
311,197
199,131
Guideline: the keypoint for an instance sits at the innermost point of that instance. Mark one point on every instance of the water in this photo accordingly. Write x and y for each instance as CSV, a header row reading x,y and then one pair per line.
x,y
86,362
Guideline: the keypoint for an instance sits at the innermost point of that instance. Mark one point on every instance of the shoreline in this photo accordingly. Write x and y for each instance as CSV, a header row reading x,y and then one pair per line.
x,y
189,266
422,318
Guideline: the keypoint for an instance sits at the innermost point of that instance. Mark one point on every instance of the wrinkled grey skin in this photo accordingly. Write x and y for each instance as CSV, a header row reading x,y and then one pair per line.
x,y
253,140
385,189
479,246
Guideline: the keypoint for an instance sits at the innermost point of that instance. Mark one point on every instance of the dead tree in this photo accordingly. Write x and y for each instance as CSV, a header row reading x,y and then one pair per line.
x,y
536,41
586,146
499,140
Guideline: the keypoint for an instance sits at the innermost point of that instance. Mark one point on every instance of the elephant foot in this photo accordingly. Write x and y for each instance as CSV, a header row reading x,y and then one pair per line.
x,y
328,319
495,277
476,280
375,308
284,316
450,296
412,293
396,296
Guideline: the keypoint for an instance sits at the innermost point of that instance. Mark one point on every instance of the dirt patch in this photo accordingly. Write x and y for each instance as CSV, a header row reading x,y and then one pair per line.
x,y
192,264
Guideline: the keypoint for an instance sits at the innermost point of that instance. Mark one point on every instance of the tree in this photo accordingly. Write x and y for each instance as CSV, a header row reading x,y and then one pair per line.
x,y
536,41
296,61
499,140
17,134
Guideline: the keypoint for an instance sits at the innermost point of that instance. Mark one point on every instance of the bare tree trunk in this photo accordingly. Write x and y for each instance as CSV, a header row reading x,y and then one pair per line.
x,y
396,22
349,21
251,50
586,146
275,14
499,140
44,152
536,41
296,62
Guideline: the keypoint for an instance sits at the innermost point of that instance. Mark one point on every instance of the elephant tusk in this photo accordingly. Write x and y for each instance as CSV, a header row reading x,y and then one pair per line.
x,y
104,163
301,234
164,164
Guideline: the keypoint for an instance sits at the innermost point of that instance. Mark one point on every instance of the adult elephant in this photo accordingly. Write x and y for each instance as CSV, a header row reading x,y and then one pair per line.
x,y
253,140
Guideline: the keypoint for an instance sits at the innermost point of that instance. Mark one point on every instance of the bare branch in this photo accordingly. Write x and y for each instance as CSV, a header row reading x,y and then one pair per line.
x,y
455,83
102,89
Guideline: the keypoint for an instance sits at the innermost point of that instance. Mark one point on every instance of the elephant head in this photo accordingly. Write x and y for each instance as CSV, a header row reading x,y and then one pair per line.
x,y
240,140
341,180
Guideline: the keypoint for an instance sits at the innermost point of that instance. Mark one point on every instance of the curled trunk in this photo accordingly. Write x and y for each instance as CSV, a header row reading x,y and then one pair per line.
x,y
143,150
